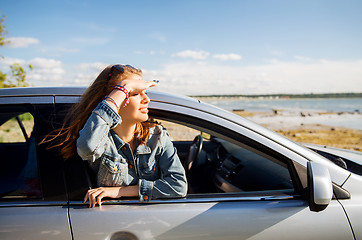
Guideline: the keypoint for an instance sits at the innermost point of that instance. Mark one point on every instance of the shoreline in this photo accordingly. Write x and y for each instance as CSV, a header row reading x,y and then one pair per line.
x,y
347,95
322,128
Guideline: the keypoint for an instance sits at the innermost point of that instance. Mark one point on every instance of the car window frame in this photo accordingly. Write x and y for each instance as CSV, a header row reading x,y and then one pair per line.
x,y
202,125
51,181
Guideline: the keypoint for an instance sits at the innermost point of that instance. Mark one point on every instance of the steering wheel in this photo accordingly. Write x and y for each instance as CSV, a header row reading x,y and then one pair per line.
x,y
194,153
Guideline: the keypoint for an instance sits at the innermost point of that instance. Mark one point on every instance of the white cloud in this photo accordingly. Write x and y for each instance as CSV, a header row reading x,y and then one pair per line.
x,y
278,77
151,52
82,79
6,61
50,72
68,50
44,63
46,72
202,55
87,72
95,66
202,78
302,58
226,57
276,53
199,55
21,42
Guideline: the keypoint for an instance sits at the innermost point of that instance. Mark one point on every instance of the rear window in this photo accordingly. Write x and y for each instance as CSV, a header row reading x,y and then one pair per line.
x,y
19,167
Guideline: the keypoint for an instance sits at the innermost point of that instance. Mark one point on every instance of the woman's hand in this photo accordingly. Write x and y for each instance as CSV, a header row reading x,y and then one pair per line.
x,y
136,84
95,196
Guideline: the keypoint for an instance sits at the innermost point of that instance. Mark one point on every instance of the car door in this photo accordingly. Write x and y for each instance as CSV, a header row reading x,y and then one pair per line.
x,y
266,200
33,204
236,218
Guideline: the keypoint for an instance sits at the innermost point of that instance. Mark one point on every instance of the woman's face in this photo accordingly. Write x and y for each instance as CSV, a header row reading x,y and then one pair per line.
x,y
137,109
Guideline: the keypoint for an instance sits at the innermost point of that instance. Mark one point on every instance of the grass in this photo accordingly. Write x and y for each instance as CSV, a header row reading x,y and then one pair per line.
x,y
11,131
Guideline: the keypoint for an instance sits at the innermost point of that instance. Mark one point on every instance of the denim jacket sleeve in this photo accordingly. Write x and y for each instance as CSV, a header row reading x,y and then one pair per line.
x,y
172,182
93,140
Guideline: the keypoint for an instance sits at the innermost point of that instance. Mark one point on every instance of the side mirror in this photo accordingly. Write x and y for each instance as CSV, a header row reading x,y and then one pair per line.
x,y
320,190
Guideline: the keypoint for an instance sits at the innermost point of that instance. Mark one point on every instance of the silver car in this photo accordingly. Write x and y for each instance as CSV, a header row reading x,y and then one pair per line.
x,y
245,181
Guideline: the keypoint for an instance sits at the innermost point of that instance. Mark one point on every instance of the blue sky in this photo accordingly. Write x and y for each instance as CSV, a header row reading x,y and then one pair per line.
x,y
192,47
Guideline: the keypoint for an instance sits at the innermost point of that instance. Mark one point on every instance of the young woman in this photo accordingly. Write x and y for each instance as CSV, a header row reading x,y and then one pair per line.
x,y
130,156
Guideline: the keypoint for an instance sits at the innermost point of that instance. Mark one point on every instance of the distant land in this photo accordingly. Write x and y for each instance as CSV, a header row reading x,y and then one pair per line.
x,y
286,96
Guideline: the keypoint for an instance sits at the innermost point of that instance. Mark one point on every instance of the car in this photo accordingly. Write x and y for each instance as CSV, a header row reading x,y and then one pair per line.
x,y
245,181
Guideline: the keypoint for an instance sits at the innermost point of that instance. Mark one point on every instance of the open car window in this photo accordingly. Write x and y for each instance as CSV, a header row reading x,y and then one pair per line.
x,y
221,166
19,168
225,165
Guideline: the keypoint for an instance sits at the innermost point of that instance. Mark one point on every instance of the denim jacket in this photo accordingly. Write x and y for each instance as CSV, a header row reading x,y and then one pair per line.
x,y
155,167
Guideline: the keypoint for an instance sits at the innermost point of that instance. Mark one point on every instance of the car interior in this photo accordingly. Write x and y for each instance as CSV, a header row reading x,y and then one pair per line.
x,y
215,165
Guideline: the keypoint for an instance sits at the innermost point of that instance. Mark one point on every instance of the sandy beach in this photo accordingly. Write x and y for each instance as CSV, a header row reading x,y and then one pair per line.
x,y
324,128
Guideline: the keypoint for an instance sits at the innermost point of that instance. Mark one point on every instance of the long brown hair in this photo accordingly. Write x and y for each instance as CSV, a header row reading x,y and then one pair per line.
x,y
67,136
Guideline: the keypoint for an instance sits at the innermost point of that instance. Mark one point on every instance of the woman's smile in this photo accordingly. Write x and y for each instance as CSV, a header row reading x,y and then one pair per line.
x,y
144,109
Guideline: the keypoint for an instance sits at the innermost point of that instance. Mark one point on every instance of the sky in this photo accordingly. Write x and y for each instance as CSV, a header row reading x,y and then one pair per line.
x,y
193,47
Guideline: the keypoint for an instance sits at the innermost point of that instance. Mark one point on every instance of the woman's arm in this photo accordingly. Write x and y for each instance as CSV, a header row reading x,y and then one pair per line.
x,y
93,138
95,196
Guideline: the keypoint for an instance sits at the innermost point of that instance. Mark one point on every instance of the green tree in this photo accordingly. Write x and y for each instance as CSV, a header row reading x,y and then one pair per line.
x,y
16,76
3,32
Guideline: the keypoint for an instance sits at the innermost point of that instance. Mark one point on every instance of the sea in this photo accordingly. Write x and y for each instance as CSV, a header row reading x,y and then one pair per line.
x,y
344,112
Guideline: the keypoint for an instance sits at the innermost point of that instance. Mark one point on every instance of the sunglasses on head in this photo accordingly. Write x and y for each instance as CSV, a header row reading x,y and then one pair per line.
x,y
121,67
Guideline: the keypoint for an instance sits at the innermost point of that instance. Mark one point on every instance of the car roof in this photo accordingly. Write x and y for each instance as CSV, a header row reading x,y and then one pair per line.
x,y
41,91
78,91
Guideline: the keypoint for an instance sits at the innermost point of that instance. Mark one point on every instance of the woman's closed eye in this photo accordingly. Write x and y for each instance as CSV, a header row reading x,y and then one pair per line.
x,y
137,93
